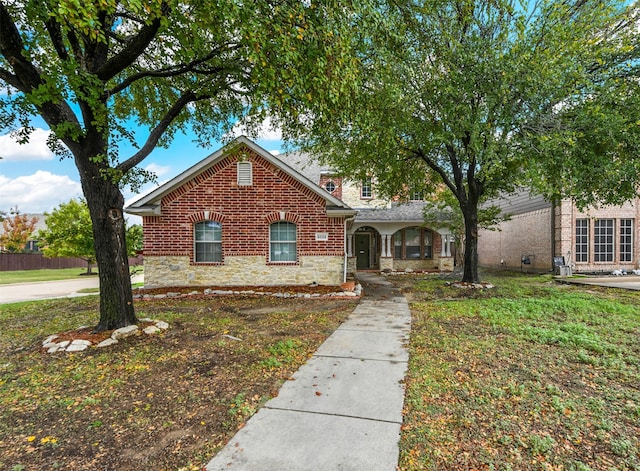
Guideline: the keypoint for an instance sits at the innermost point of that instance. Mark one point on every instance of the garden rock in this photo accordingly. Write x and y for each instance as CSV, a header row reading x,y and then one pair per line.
x,y
79,344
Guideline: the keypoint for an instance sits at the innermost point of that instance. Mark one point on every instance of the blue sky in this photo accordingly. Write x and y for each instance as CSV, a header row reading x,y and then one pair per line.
x,y
35,180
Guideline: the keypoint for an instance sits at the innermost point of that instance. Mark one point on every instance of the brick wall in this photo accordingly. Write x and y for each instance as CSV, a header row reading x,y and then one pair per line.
x,y
527,234
566,215
245,213
530,234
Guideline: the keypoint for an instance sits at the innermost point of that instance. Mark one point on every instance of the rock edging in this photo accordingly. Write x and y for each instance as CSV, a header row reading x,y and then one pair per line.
x,y
77,345
348,292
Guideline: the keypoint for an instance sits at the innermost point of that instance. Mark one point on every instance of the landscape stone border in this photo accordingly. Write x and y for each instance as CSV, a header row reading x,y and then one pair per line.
x,y
51,346
347,293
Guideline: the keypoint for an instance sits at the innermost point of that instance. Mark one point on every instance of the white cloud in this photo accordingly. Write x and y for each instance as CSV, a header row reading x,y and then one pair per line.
x,y
159,170
35,149
266,131
37,193
275,152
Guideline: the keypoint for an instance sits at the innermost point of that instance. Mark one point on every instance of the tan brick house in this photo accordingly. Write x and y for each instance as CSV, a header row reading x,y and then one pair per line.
x,y
243,216
593,240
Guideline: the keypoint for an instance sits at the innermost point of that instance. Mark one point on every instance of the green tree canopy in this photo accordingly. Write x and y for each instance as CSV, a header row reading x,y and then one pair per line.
x,y
91,68
485,97
69,233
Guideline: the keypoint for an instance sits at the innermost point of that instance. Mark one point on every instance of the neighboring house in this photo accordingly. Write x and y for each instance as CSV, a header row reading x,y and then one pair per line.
x,y
594,240
245,217
32,243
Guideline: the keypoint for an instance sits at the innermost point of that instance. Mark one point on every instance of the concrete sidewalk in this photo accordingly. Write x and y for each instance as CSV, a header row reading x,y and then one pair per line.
x,y
624,282
342,410
38,290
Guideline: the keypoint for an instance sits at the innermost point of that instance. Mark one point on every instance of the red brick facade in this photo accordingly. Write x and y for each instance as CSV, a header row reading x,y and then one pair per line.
x,y
245,212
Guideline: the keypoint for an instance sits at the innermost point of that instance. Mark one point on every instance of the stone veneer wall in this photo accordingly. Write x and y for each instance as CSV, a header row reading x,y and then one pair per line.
x,y
430,264
162,271
525,234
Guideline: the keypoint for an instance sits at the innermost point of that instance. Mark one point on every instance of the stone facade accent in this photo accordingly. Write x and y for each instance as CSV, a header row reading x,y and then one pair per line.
x,y
242,271
245,211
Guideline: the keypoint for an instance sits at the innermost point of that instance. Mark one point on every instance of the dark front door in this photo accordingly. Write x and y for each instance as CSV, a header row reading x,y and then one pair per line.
x,y
363,244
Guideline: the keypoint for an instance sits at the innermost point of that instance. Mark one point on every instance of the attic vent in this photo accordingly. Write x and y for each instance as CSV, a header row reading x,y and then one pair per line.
x,y
245,174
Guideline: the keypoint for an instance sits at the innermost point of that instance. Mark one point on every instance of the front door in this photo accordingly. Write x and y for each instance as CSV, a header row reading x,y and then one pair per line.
x,y
363,244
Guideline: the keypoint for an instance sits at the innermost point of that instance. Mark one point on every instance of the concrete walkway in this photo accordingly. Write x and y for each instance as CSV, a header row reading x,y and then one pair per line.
x,y
623,282
342,410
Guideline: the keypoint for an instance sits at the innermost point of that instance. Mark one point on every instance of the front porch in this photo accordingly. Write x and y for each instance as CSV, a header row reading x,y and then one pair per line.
x,y
399,246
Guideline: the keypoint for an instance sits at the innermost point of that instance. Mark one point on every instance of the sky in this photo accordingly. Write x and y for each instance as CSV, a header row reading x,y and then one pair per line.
x,y
36,181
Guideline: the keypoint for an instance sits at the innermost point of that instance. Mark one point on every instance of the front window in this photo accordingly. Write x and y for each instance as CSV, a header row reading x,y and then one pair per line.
x,y
582,240
603,240
413,243
416,194
366,190
282,242
208,242
626,240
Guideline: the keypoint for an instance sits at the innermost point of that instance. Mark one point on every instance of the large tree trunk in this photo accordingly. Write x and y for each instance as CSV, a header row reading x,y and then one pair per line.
x,y
106,204
470,273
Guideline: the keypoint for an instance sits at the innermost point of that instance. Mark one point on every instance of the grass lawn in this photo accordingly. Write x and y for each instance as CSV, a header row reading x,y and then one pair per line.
x,y
150,402
28,276
529,375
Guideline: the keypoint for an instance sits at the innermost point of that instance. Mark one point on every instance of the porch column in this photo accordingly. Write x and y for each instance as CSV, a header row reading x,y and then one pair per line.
x,y
350,245
444,246
449,241
383,250
389,248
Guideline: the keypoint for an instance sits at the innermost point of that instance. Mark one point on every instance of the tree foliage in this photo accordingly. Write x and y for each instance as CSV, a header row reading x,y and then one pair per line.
x,y
90,69
17,230
485,97
69,233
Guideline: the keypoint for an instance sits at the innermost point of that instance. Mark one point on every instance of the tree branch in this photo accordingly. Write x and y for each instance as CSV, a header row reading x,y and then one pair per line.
x,y
11,79
55,33
171,71
159,130
135,47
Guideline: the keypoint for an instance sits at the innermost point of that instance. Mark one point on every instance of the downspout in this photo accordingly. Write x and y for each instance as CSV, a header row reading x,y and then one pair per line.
x,y
553,234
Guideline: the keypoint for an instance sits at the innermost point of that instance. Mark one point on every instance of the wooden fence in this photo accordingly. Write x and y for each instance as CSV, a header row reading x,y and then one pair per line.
x,y
37,261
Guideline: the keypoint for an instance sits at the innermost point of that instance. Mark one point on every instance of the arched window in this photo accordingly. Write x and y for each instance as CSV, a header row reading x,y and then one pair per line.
x,y
208,242
413,243
282,242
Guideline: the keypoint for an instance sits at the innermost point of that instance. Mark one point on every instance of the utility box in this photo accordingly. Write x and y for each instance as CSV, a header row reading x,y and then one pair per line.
x,y
564,270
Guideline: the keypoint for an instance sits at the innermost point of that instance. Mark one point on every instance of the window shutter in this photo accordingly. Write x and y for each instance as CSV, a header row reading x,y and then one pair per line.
x,y
245,174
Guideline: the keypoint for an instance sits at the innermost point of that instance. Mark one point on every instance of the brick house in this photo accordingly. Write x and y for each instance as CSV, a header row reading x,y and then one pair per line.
x,y
243,216
594,240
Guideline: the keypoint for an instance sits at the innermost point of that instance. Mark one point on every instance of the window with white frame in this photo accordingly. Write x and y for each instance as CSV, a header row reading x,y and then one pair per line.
x,y
208,242
330,186
245,174
626,240
366,190
582,240
603,240
413,243
416,194
282,242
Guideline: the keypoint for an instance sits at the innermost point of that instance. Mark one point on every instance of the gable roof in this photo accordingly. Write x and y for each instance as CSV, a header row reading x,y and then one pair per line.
x,y
150,204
